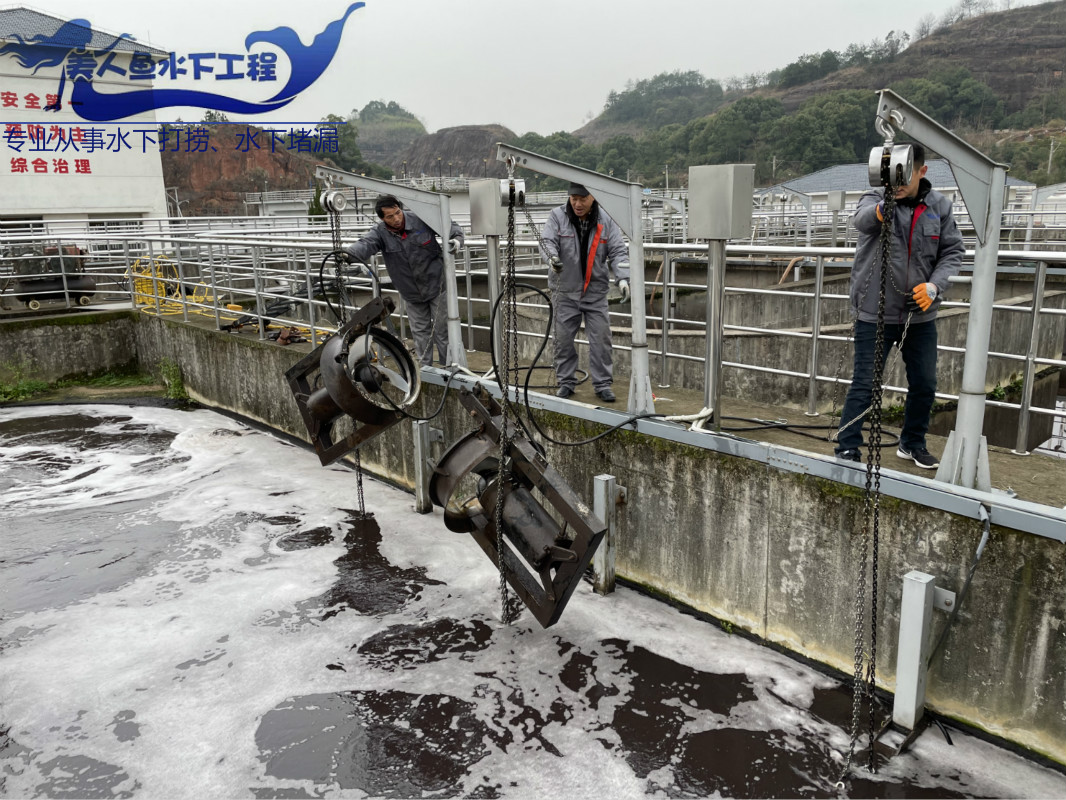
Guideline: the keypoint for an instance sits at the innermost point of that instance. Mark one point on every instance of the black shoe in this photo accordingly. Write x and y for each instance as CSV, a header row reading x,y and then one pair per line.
x,y
606,395
850,455
565,392
920,456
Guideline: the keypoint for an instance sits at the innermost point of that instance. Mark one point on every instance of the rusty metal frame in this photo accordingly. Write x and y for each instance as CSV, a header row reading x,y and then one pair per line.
x,y
544,589
302,376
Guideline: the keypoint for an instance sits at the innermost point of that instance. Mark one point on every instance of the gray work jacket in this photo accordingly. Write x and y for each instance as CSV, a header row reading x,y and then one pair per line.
x,y
413,257
926,248
607,249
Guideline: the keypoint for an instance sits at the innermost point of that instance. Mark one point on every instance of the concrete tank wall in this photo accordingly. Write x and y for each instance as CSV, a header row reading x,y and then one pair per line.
x,y
765,549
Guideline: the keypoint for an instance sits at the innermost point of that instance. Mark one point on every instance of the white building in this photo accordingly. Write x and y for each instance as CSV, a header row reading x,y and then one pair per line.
x,y
54,164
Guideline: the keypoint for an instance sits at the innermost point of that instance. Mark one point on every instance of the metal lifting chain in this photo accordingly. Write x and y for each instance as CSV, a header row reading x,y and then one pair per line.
x,y
335,237
508,367
866,684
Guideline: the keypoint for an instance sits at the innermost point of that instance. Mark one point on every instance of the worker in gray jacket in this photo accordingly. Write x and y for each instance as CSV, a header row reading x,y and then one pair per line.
x,y
926,250
579,241
415,263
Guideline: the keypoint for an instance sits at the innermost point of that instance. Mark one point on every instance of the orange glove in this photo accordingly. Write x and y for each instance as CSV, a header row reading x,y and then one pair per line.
x,y
922,296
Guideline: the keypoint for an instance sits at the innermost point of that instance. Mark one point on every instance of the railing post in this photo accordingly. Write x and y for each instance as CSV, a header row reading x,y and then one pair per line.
x,y
712,385
181,286
156,279
492,252
129,271
469,302
1021,446
816,329
668,298
63,272
424,437
257,281
311,321
915,621
605,496
214,286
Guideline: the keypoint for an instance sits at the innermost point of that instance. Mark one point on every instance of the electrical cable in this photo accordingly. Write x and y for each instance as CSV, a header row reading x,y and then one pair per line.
x,y
540,351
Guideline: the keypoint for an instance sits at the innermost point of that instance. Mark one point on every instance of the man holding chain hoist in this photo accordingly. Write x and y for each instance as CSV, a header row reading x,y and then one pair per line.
x,y
926,250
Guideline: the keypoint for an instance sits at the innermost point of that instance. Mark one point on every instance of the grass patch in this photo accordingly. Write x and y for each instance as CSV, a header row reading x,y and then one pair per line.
x,y
19,387
171,372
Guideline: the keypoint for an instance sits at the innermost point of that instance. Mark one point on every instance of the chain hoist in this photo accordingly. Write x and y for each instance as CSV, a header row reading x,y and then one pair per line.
x,y
334,202
893,169
509,369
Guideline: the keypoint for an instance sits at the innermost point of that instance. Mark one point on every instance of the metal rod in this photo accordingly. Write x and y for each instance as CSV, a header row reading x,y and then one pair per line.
x,y
712,385
605,505
1021,446
668,299
469,302
492,246
816,327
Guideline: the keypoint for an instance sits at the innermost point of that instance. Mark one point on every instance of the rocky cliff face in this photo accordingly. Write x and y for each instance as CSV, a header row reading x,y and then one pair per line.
x,y
214,180
468,150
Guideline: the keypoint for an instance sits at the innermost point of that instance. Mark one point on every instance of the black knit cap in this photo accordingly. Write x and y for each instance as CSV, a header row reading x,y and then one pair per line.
x,y
578,189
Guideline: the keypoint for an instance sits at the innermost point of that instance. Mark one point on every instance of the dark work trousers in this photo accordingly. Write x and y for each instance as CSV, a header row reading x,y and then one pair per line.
x,y
569,309
919,357
429,326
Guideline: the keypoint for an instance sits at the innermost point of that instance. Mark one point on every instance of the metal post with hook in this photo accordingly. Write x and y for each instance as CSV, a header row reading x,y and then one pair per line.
x,y
433,209
981,182
622,200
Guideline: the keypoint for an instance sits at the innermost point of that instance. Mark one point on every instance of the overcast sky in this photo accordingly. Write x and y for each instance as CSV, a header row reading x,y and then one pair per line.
x,y
535,65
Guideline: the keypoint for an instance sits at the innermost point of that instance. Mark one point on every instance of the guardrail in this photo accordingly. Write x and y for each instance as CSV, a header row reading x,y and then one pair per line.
x,y
248,276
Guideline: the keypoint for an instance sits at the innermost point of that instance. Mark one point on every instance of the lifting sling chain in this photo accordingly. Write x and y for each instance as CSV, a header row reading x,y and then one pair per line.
x,y
342,301
864,685
509,370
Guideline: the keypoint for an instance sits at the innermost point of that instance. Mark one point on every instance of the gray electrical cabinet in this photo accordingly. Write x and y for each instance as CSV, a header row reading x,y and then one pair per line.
x,y
488,205
719,201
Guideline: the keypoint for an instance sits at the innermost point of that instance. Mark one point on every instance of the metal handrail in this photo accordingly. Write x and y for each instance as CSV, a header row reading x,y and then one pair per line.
x,y
231,262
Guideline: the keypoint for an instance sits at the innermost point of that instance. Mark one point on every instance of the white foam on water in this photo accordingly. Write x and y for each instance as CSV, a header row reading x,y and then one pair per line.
x,y
219,632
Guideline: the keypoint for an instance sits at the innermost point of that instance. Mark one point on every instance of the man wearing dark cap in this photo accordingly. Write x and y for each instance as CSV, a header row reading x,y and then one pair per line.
x,y
579,241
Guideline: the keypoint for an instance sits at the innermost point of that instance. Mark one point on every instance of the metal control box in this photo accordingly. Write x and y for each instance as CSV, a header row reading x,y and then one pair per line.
x,y
719,201
836,200
488,205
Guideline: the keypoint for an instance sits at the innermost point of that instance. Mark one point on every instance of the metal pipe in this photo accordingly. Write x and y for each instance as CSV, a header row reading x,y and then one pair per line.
x,y
469,302
493,252
664,343
816,326
156,280
967,450
257,281
214,286
605,495
311,322
181,285
1021,446
712,385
